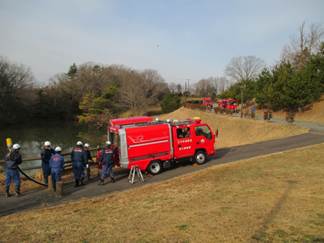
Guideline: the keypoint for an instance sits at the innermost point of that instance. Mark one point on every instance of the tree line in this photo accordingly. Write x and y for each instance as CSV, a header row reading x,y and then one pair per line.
x,y
92,93
296,81
89,92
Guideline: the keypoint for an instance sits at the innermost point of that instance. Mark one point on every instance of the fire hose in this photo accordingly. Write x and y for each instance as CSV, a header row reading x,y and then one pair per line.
x,y
30,178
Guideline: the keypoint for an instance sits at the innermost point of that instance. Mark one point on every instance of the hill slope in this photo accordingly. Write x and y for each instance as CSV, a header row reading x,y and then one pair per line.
x,y
234,131
314,114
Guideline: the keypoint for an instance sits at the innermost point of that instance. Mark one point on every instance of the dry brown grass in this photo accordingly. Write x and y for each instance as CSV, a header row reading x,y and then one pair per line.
x,y
314,114
27,185
235,131
273,198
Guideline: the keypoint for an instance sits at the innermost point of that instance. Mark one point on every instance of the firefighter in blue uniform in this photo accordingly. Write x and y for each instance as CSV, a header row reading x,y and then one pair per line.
x,y
57,166
46,155
107,163
13,159
89,159
78,158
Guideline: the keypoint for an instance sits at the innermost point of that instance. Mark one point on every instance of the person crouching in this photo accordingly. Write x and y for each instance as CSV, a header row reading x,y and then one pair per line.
x,y
57,166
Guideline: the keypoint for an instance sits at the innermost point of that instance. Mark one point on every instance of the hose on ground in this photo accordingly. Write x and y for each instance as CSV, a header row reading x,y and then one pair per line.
x,y
30,178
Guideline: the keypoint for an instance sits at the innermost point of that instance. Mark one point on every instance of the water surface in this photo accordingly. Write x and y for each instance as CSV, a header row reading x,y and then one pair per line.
x,y
31,138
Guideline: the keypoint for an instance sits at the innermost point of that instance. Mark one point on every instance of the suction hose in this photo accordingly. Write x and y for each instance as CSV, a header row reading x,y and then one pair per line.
x,y
30,178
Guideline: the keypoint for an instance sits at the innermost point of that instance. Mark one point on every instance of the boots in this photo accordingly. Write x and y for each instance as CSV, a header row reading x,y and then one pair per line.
x,y
17,192
82,181
7,193
88,174
113,180
76,183
101,182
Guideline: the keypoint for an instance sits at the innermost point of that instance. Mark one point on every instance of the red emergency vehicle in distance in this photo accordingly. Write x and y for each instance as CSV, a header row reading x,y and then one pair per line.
x,y
154,145
207,101
199,103
227,105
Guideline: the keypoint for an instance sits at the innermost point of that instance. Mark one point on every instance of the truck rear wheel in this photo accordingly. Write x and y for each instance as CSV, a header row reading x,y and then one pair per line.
x,y
155,167
200,157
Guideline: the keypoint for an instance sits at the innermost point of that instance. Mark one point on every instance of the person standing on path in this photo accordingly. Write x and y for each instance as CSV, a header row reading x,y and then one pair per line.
x,y
107,163
57,166
78,158
98,157
89,159
13,159
46,155
253,111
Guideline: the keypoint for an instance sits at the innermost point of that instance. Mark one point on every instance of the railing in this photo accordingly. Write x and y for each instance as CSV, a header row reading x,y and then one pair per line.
x,y
67,163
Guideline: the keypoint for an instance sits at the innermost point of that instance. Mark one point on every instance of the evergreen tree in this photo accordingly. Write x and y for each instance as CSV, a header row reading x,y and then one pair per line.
x,y
170,103
72,70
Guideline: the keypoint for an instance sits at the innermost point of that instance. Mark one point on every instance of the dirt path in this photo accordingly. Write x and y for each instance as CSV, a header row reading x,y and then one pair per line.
x,y
41,198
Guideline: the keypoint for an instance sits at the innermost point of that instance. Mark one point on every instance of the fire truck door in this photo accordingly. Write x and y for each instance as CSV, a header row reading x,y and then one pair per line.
x,y
204,138
183,142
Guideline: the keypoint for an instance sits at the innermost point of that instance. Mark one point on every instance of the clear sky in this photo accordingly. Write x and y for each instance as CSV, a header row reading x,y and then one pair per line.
x,y
182,39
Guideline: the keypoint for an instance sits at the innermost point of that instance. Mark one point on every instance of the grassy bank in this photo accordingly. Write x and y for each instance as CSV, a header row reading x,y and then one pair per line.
x,y
272,198
235,131
315,113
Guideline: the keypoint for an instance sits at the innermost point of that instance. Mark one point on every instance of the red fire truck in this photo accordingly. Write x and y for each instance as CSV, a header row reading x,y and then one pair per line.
x,y
207,101
155,145
227,105
199,103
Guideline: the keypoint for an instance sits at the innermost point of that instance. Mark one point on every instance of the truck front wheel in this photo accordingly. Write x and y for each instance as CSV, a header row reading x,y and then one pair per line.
x,y
155,167
200,157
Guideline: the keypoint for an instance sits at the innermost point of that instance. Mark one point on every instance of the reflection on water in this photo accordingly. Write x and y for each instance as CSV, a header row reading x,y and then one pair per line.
x,y
31,138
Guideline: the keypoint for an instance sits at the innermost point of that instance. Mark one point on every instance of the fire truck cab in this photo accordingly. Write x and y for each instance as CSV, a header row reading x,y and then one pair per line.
x,y
155,145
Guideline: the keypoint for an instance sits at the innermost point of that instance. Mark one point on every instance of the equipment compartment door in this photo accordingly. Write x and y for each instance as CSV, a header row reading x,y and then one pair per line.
x,y
182,141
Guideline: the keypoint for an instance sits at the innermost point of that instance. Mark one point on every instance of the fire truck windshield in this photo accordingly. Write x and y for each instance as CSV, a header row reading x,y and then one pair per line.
x,y
203,131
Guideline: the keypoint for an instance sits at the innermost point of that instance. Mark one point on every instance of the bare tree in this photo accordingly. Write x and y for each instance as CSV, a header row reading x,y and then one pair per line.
x,y
139,90
307,42
244,68
16,91
132,94
172,87
222,84
154,85
179,88
206,87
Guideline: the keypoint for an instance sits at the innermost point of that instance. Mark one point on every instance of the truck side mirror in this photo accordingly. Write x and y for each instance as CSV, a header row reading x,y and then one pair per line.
x,y
216,133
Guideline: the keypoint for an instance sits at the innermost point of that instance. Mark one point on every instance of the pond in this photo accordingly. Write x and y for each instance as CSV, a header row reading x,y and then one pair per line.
x,y
31,138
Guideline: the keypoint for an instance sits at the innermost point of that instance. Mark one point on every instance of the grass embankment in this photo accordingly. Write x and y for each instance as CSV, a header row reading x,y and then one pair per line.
x,y
272,198
235,131
314,114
